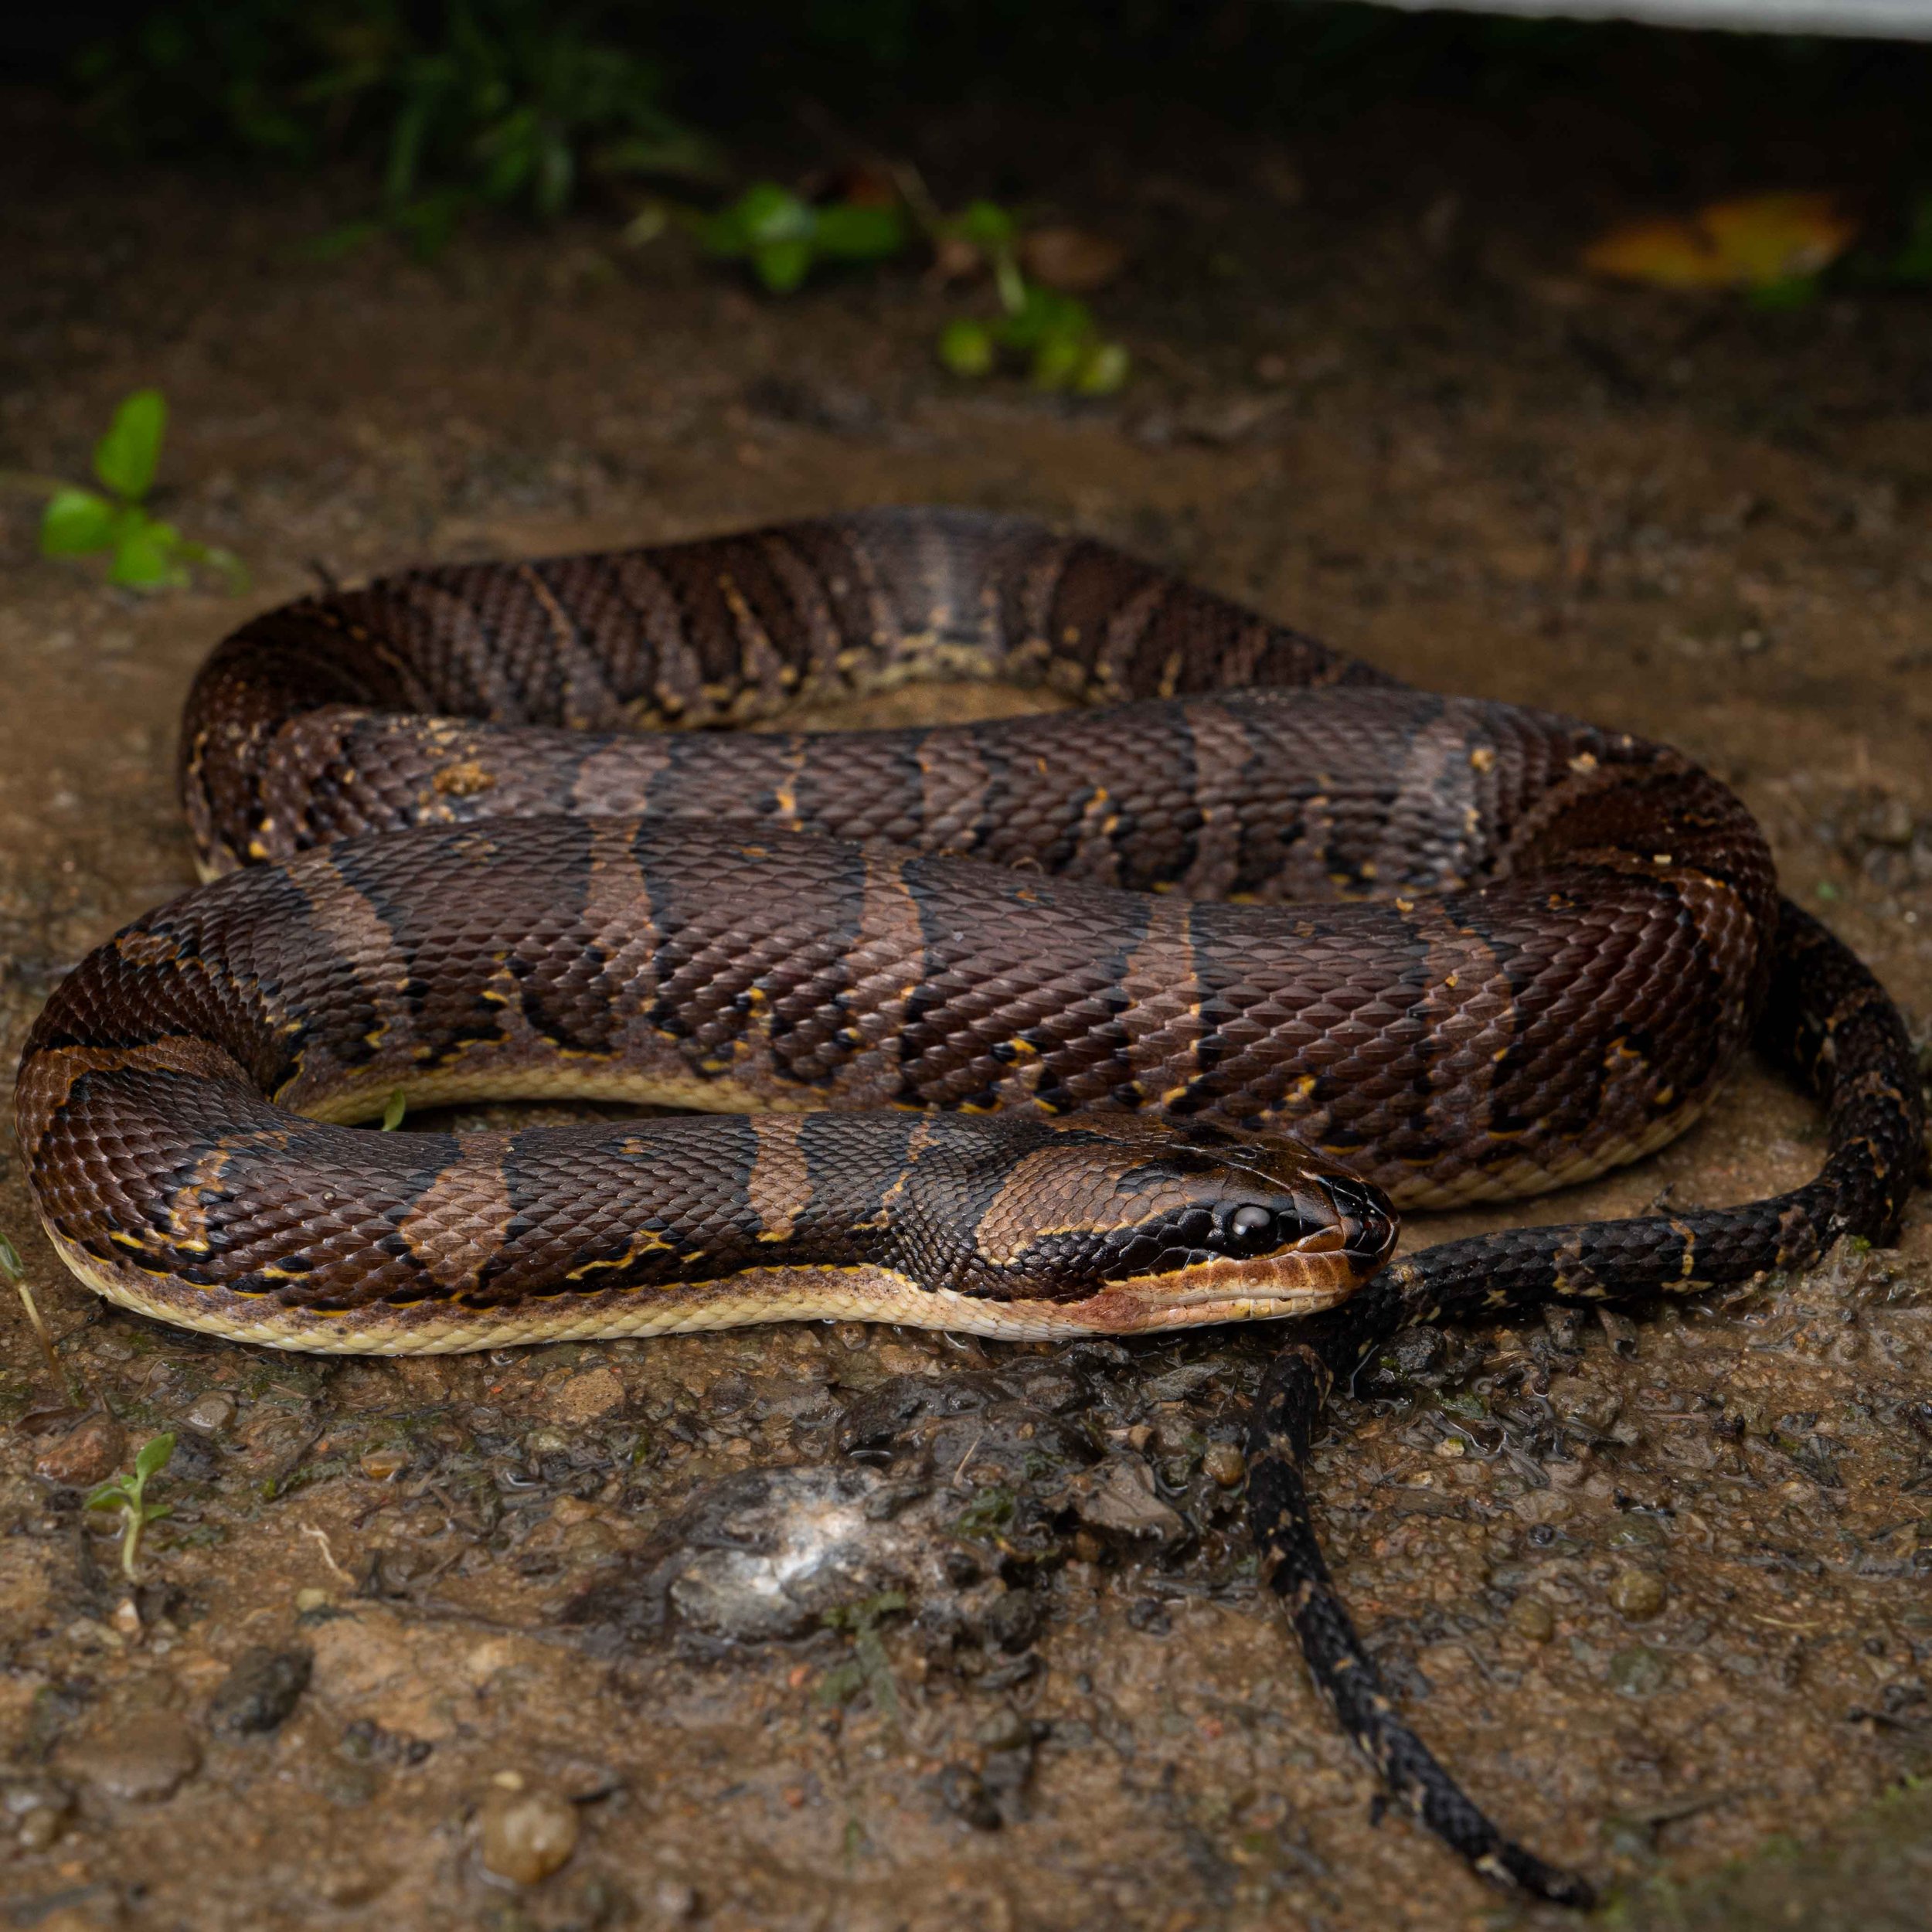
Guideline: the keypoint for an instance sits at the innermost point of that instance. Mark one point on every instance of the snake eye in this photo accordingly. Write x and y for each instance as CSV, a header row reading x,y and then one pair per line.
x,y
1249,1227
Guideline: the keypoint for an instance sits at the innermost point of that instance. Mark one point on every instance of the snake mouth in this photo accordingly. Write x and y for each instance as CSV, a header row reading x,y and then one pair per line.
x,y
1300,1281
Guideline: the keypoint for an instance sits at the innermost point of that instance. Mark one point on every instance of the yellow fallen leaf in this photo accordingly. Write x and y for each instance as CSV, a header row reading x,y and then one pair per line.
x,y
1754,241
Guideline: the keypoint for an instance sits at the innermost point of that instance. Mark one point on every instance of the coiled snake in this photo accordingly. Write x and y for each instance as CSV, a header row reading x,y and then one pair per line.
x,y
1022,1007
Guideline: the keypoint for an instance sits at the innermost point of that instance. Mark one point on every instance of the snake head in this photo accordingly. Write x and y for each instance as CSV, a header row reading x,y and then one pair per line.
x,y
1129,1227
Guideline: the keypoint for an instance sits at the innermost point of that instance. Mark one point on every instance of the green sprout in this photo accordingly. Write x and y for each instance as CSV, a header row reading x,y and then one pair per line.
x,y
147,553
1056,334
14,1269
468,106
393,1109
783,237
129,1494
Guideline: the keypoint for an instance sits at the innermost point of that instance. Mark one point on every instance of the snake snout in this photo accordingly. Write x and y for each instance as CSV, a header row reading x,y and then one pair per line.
x,y
1367,1220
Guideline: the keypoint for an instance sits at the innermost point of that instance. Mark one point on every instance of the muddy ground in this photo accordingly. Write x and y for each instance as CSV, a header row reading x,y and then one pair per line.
x,y
1657,1589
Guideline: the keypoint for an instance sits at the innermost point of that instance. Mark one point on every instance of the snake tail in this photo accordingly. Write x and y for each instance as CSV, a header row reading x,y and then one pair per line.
x,y
1829,1019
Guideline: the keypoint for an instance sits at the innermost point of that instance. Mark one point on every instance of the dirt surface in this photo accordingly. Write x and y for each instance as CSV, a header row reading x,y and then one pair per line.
x,y
821,1627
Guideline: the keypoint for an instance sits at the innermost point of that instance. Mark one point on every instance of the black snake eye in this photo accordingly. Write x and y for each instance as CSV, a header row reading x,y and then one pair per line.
x,y
1249,1227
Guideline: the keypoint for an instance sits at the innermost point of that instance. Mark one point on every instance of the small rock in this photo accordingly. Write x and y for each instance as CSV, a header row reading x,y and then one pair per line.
x,y
40,1826
583,1398
1013,1620
1639,1672
1006,1730
1532,1620
384,1464
88,1452
1224,1463
1543,1506
1579,1398
261,1690
145,1757
964,1793
214,1411
526,1835
1637,1594
675,1903
1118,1495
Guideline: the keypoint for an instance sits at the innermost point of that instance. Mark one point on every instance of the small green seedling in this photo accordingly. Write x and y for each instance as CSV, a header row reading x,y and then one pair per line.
x,y
393,1109
147,554
129,1494
14,1269
782,236
1055,333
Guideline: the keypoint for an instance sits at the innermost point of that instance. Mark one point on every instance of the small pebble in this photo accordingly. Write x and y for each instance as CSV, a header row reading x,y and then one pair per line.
x,y
1639,1672
1532,1620
384,1465
1224,1463
1637,1594
675,1903
527,1834
1006,1730
40,1826
310,1600
964,1793
142,1757
214,1412
261,1691
88,1452
1542,1505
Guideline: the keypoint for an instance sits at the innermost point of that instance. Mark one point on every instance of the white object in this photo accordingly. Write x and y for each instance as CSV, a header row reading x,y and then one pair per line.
x,y
1896,19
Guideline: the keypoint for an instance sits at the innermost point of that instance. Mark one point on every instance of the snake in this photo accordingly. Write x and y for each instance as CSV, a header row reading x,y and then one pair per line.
x,y
1154,1010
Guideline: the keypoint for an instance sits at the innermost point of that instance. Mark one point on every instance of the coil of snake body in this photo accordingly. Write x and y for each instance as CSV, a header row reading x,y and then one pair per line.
x,y
996,1026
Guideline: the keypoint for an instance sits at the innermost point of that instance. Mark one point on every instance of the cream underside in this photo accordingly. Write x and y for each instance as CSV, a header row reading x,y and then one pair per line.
x,y
758,1295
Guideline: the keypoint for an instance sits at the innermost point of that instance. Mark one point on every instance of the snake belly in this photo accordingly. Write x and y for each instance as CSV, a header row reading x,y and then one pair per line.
x,y
1123,1017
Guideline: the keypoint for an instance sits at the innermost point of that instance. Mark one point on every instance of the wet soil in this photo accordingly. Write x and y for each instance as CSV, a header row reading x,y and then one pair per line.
x,y
819,1626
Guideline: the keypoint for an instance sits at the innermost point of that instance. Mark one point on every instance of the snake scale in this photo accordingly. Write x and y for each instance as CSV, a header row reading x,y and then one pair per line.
x,y
997,1026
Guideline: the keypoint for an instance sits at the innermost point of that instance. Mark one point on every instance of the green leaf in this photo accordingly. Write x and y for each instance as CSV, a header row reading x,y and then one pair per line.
x,y
781,265
1042,314
153,1456
855,233
144,555
393,1109
767,214
1103,370
1057,357
10,1261
125,457
109,1496
966,347
987,224
75,521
